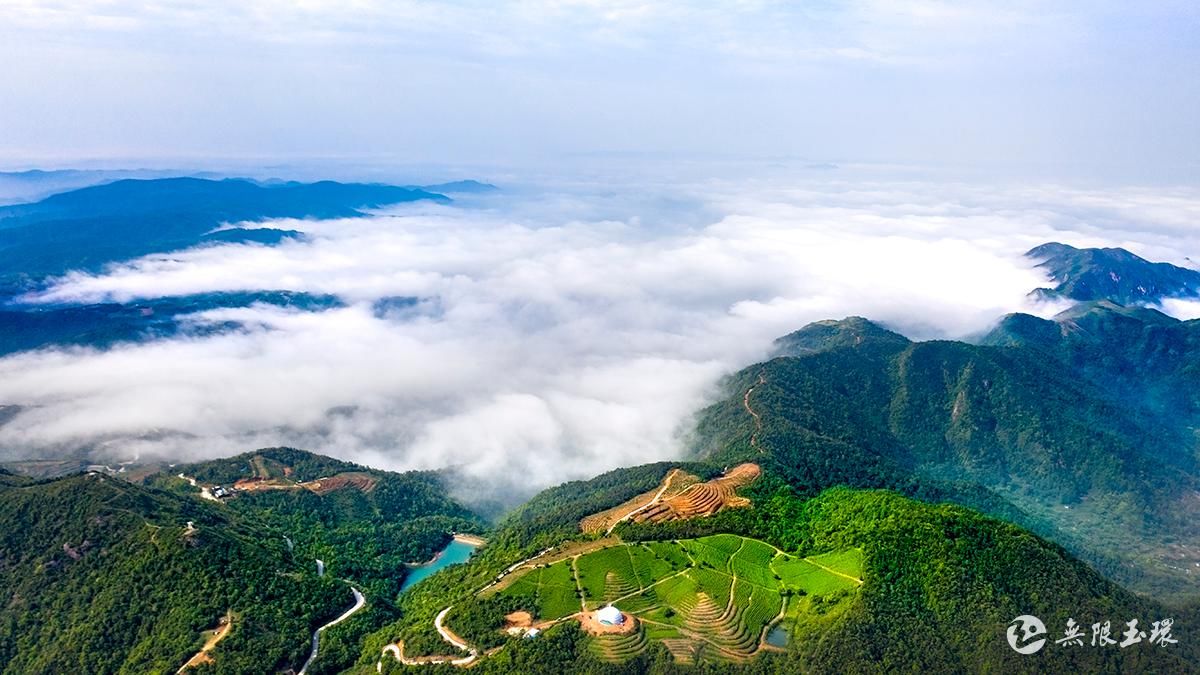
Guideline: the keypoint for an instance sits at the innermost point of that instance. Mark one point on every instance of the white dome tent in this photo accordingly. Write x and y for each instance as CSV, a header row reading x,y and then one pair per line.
x,y
610,616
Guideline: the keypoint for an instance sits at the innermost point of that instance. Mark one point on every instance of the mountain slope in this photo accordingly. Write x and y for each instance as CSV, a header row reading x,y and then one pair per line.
x,y
940,585
1052,425
1111,274
102,576
364,524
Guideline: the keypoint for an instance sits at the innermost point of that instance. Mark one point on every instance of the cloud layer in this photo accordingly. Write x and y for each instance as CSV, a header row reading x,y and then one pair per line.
x,y
556,334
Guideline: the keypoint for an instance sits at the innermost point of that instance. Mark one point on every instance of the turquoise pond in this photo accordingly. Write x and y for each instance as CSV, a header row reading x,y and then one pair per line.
x,y
455,553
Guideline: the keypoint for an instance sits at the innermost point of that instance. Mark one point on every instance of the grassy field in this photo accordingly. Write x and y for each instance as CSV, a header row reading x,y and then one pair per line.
x,y
551,591
708,599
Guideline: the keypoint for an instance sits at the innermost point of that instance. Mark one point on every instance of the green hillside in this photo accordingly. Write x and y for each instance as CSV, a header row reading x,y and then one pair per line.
x,y
108,576
711,598
1081,428
852,580
366,525
102,576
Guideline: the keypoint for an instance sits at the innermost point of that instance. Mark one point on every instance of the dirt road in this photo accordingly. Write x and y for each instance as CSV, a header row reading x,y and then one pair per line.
x,y
218,635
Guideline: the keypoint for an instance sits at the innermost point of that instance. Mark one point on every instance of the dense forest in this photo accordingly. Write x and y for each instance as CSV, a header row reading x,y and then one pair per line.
x,y
366,535
103,576
110,576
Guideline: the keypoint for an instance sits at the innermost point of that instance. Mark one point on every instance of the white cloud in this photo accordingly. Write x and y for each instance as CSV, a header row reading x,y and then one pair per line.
x,y
560,334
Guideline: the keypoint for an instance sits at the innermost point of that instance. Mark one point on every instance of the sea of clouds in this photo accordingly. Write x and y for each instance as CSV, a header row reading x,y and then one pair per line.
x,y
557,332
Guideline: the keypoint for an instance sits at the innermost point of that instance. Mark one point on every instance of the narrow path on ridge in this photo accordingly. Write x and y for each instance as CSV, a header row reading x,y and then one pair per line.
x,y
762,379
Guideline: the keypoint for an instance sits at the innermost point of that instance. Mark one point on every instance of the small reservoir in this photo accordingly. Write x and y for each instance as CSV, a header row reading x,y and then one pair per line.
x,y
455,553
778,636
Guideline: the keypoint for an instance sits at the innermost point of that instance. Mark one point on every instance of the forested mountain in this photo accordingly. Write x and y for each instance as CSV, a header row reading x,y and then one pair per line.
x,y
103,576
1086,424
110,576
364,524
86,228
1111,274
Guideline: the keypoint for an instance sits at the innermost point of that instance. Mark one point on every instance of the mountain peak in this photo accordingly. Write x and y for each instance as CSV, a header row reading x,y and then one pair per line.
x,y
461,186
1113,274
1097,320
1104,317
852,331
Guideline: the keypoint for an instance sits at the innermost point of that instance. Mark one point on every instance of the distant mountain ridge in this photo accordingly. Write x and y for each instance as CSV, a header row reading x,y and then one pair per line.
x,y
88,228
102,325
461,186
1111,274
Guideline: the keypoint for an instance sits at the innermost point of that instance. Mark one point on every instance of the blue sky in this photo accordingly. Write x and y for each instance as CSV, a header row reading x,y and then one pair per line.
x,y
1078,86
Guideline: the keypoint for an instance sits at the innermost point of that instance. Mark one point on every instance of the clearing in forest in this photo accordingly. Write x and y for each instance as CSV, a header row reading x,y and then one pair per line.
x,y
215,635
712,599
364,482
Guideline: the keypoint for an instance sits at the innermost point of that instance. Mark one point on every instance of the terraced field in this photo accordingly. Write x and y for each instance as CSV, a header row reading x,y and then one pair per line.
x,y
710,599
618,648
702,499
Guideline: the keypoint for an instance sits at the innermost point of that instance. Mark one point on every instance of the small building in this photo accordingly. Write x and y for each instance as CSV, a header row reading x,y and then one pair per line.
x,y
533,632
610,616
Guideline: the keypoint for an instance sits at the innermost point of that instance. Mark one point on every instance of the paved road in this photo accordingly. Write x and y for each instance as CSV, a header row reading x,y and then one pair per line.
x,y
359,601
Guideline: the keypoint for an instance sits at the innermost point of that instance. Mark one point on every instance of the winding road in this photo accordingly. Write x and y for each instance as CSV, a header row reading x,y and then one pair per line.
x,y
440,624
359,601
204,491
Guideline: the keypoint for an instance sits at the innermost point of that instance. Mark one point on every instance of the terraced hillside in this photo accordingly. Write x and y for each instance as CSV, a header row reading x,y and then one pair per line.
x,y
675,482
848,581
703,499
679,496
711,599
